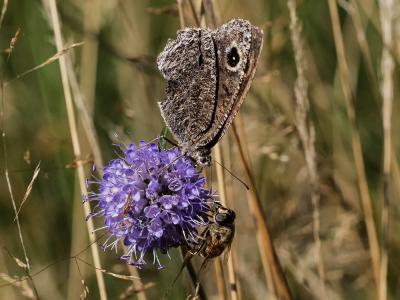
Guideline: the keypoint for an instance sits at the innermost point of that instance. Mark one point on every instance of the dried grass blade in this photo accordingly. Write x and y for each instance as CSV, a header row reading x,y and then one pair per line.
x,y
269,258
53,16
233,291
387,9
306,130
29,188
3,12
133,290
365,197
48,61
21,284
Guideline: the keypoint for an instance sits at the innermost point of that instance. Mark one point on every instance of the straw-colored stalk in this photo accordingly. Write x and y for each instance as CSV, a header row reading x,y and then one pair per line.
x,y
3,12
84,96
365,198
232,277
272,267
306,131
276,281
26,264
76,143
387,67
360,28
218,270
210,19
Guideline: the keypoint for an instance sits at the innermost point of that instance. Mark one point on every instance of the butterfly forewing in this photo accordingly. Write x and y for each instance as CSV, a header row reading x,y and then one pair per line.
x,y
208,74
188,63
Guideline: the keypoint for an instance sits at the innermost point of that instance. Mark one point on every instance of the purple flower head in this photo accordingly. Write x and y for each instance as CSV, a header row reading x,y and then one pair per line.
x,y
151,200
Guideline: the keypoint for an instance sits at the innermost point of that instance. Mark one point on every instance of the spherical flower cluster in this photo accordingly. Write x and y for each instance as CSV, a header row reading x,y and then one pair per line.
x,y
152,200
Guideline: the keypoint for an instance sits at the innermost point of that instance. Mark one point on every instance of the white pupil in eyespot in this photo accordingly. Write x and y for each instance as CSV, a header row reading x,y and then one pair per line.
x,y
233,57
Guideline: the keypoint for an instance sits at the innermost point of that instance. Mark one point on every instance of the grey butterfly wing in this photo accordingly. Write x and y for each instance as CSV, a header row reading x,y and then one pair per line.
x,y
188,64
238,46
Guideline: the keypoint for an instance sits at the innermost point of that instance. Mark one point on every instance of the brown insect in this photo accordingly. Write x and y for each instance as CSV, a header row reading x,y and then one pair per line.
x,y
127,208
127,205
218,235
216,238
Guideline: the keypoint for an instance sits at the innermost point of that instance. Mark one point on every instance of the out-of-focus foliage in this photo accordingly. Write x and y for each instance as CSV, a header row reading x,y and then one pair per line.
x,y
117,75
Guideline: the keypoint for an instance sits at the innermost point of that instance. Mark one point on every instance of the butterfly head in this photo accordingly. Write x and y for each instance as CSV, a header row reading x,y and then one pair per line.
x,y
202,157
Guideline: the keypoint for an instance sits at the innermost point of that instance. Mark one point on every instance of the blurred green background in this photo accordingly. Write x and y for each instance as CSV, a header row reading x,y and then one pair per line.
x,y
118,79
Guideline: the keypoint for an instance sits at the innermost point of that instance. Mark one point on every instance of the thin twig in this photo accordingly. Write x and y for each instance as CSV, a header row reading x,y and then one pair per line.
x,y
209,13
266,247
188,263
13,42
9,186
387,67
81,104
219,276
75,142
3,12
306,130
52,263
222,197
29,188
48,61
271,264
194,14
356,141
83,97
181,17
361,37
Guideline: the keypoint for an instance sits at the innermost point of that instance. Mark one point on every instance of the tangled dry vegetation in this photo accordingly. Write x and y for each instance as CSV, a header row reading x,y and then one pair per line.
x,y
318,132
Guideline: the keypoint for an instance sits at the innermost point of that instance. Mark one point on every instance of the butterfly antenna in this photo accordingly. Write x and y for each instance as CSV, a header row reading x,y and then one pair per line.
x,y
233,175
170,164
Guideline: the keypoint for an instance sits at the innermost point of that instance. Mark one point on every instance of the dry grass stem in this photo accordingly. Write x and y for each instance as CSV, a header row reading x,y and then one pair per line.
x,y
210,21
189,265
75,141
27,268
168,9
316,136
3,12
29,188
219,276
194,13
13,42
266,247
48,61
132,290
84,105
366,204
181,15
87,122
233,290
354,12
352,8
304,275
20,284
211,18
387,9
306,130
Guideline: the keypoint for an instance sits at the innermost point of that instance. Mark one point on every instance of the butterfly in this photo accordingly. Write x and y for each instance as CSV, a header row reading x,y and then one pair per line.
x,y
208,75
